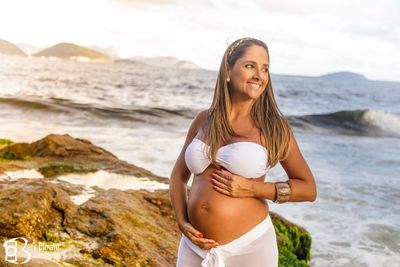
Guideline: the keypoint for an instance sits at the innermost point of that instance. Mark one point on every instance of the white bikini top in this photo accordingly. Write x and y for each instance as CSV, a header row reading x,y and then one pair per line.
x,y
247,159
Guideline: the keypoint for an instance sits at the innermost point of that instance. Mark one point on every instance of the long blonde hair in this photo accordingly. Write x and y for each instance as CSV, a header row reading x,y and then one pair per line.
x,y
275,132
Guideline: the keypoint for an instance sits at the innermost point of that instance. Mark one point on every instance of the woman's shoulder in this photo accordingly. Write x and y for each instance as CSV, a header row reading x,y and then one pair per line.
x,y
201,117
199,120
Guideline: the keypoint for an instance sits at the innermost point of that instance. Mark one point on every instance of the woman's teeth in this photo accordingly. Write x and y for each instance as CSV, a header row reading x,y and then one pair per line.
x,y
254,85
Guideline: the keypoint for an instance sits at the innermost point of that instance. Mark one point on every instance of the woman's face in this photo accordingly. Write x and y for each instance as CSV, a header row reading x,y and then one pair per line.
x,y
249,74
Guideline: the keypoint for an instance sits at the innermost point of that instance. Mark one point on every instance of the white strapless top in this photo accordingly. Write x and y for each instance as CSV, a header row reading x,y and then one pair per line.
x,y
247,159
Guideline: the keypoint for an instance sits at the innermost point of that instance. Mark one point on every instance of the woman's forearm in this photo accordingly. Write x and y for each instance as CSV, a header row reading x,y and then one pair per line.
x,y
264,190
178,195
300,190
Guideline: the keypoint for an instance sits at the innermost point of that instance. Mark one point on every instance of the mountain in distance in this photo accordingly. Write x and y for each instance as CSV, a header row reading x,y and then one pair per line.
x,y
344,75
163,62
7,48
72,52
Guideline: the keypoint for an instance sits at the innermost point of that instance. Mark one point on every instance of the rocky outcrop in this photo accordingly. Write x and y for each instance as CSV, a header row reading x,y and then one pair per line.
x,y
115,227
64,153
112,228
136,227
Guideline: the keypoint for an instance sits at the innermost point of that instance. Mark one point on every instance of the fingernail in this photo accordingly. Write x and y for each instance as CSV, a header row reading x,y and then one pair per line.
x,y
200,235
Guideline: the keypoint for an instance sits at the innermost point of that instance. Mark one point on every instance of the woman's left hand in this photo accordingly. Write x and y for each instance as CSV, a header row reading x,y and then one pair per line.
x,y
231,184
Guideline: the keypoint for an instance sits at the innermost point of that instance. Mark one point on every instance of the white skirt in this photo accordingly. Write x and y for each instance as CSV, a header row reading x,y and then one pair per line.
x,y
256,248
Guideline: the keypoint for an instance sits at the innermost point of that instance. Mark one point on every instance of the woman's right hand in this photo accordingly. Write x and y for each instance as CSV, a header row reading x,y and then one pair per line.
x,y
196,237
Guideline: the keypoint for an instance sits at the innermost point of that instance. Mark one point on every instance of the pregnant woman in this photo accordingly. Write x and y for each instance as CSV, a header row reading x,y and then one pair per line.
x,y
229,147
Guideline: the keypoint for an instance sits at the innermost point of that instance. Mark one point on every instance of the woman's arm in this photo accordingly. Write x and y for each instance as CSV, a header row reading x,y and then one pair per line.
x,y
181,174
178,189
301,180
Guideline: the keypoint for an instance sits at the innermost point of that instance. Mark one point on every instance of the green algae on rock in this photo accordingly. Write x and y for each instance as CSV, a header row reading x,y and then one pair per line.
x,y
10,155
5,142
57,168
294,242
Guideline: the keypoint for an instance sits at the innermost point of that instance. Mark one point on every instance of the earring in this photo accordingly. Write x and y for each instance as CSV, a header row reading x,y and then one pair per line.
x,y
228,79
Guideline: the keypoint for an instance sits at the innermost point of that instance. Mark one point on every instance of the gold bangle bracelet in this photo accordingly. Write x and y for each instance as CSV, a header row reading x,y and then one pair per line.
x,y
282,192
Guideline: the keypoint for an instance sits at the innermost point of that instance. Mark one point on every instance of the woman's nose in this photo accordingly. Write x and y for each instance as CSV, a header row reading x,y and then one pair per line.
x,y
256,74
260,74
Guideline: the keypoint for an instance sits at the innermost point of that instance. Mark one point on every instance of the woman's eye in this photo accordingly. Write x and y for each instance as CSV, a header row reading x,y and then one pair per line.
x,y
265,70
249,66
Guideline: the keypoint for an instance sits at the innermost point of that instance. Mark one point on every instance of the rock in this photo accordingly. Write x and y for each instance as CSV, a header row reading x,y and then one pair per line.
x,y
135,227
125,227
57,146
26,208
59,154
294,242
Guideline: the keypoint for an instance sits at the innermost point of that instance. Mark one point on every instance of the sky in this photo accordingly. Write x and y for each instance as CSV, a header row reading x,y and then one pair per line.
x,y
308,37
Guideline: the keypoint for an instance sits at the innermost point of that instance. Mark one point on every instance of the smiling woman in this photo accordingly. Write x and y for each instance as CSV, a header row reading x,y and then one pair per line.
x,y
250,77
228,149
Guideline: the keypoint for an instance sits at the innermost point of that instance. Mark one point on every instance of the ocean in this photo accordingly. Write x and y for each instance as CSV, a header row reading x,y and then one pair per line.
x,y
348,131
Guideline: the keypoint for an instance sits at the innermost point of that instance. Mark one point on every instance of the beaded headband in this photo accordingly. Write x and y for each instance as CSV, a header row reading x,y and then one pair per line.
x,y
234,46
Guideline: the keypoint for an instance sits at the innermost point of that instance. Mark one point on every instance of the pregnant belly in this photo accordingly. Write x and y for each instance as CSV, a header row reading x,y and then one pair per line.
x,y
220,217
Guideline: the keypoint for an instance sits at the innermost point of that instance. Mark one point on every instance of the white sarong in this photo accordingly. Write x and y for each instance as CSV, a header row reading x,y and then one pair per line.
x,y
256,248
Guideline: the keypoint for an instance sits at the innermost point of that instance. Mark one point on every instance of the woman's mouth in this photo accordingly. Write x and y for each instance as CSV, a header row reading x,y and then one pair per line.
x,y
255,85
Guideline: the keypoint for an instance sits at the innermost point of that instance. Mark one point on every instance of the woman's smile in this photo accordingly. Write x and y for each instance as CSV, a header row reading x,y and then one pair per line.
x,y
249,74
255,85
